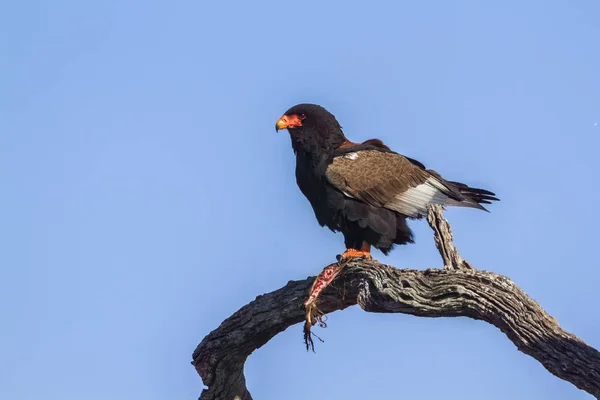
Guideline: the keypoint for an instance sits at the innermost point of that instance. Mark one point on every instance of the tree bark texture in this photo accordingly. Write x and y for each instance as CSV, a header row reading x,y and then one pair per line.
x,y
457,290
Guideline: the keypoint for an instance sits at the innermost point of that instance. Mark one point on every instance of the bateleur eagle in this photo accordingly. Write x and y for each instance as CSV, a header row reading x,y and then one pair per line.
x,y
365,190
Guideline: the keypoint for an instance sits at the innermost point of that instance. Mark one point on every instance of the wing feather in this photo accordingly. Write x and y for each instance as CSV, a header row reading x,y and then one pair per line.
x,y
390,180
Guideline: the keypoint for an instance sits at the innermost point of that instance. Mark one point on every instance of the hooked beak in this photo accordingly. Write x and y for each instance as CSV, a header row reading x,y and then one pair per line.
x,y
289,121
281,124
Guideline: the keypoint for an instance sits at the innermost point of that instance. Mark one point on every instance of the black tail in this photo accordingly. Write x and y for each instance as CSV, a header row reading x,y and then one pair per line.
x,y
464,196
481,196
475,197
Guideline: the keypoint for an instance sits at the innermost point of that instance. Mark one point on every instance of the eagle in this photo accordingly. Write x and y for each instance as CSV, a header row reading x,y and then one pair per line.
x,y
365,190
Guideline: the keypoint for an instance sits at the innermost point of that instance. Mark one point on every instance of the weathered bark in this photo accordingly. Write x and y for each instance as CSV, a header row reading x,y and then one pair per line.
x,y
456,290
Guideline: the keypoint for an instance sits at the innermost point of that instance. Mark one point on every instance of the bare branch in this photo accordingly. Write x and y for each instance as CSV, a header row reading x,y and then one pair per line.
x,y
457,290
442,235
482,295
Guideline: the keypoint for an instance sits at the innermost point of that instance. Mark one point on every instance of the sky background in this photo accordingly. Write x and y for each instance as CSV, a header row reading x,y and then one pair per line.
x,y
145,196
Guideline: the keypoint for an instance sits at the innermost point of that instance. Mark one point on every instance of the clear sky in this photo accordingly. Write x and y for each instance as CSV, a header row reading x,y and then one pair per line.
x,y
145,195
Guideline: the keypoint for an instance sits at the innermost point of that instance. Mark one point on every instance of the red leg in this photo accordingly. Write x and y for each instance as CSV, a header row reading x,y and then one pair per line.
x,y
364,252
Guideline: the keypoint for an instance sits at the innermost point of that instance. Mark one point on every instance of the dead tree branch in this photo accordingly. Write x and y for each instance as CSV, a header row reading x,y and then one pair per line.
x,y
457,290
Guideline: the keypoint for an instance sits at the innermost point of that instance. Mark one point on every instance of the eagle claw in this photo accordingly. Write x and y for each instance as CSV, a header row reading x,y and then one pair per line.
x,y
354,254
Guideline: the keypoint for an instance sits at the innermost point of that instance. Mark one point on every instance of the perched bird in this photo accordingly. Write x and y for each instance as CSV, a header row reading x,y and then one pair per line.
x,y
365,190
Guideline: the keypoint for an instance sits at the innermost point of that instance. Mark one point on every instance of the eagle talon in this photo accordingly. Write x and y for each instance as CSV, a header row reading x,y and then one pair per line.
x,y
355,254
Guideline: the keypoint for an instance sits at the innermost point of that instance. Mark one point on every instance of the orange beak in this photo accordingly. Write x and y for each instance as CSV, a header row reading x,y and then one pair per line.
x,y
288,121
281,124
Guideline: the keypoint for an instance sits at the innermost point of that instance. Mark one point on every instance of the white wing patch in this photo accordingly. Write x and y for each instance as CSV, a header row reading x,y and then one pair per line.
x,y
351,156
414,201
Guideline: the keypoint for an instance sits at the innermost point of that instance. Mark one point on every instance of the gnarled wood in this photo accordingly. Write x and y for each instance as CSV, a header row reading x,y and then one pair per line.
x,y
442,235
456,290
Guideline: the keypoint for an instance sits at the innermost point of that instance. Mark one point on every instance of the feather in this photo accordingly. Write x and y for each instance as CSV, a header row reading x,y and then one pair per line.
x,y
414,201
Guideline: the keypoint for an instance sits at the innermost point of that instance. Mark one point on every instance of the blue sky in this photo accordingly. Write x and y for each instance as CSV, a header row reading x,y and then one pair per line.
x,y
145,195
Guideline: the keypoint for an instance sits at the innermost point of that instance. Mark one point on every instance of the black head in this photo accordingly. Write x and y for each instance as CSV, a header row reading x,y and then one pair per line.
x,y
312,128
